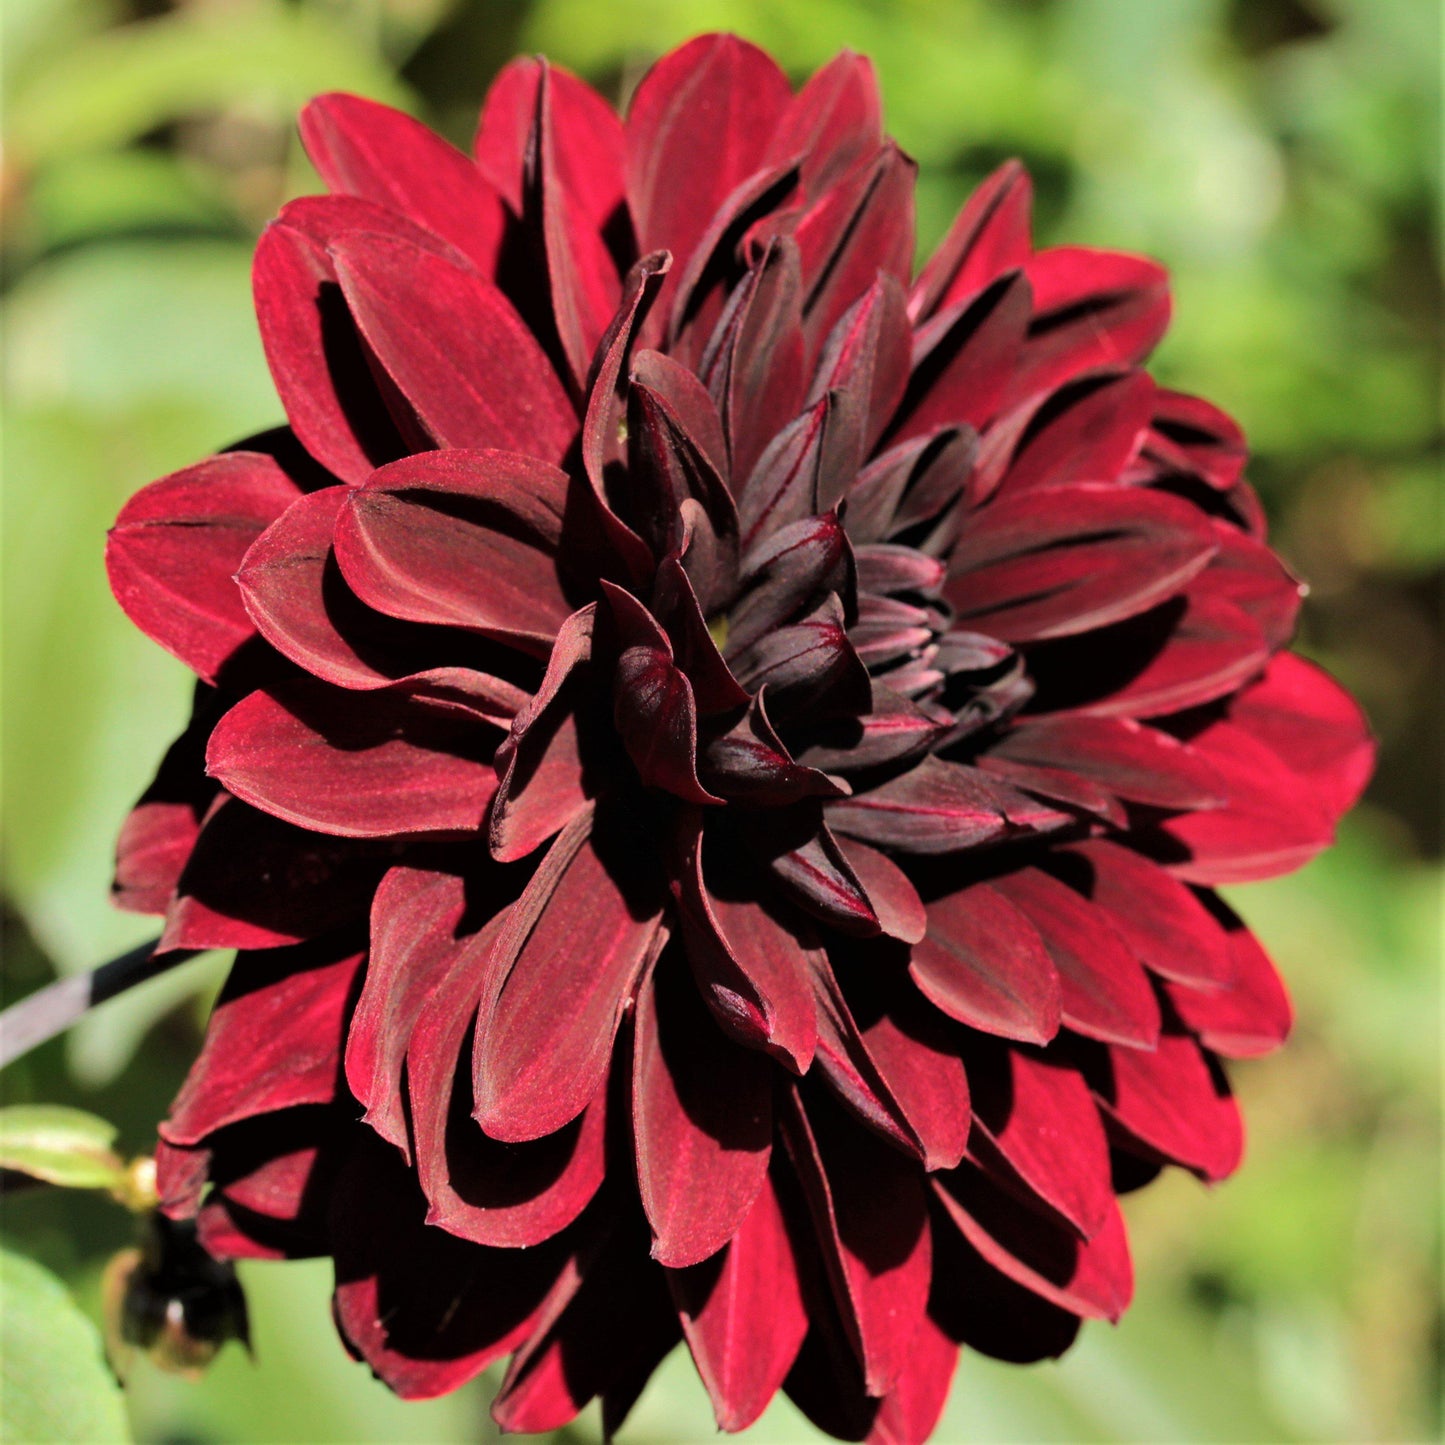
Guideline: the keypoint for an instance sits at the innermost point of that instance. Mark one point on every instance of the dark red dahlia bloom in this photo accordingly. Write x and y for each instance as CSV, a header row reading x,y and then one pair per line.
x,y
715,754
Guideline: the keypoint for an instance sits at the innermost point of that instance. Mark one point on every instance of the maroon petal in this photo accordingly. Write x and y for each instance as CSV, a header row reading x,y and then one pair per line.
x,y
158,834
861,226
603,1331
252,881
652,702
1298,710
369,150
909,1412
699,123
1163,923
588,141
749,764
754,364
1062,561
895,728
808,667
274,1040
788,575
1085,431
801,464
1251,1014
963,359
890,892
867,354
847,1063
701,1110
1039,1115
1194,649
834,121
990,236
939,807
1134,762
1171,1102
174,550
501,1195
1091,308
916,1054
1189,437
1092,1278
537,1066
670,471
340,410
1105,992
742,1314
604,424
416,919
749,967
868,1207
539,770
462,538
983,963
425,1310
455,348
313,758
1274,821
818,876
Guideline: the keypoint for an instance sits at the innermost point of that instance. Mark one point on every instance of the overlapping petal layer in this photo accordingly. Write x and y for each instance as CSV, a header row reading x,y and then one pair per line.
x,y
716,753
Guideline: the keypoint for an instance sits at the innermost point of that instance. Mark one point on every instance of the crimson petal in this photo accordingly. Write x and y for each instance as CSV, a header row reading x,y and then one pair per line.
x,y
273,1042
455,347
460,538
175,548
743,1314
1064,560
983,963
369,150
1105,993
701,1109
537,1066
306,755
868,1206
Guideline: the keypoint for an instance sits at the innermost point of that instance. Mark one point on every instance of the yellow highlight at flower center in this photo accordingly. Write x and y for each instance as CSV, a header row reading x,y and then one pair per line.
x,y
718,630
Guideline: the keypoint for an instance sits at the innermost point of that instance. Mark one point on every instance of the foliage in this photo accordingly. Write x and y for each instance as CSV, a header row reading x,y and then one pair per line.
x,y
54,1383
1278,155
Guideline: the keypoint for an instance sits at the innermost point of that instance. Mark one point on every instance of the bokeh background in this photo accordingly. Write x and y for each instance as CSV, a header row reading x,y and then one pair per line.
x,y
1281,156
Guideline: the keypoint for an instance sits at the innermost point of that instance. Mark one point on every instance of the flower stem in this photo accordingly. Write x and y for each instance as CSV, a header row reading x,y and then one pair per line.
x,y
53,1009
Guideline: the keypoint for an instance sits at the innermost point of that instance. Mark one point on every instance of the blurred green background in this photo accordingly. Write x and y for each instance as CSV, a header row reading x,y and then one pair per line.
x,y
1279,155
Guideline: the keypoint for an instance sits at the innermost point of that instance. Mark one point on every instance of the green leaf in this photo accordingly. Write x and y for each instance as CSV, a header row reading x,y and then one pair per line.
x,y
54,1383
60,1145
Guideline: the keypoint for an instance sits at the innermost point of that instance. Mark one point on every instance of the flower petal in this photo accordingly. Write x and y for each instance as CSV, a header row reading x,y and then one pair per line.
x,y
536,1066
1062,561
1171,1102
273,1042
743,1315
701,1110
462,539
1091,308
366,149
1105,993
173,552
989,237
749,967
939,807
868,1208
1037,1113
455,347
398,766
699,123
983,963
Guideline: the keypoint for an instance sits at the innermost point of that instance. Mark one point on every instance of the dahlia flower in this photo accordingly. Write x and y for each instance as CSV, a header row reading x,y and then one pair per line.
x,y
715,753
